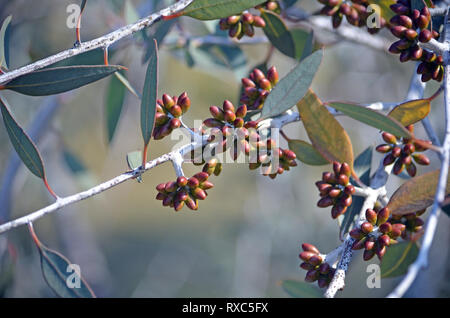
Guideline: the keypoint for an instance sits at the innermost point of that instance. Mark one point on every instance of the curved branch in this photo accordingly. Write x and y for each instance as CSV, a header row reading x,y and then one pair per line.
x,y
101,42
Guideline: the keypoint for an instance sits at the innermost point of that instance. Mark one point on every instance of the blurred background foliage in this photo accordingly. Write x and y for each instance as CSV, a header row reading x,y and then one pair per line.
x,y
245,238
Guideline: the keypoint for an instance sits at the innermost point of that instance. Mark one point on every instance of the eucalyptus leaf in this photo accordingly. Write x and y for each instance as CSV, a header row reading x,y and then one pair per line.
x,y
293,87
372,118
115,97
23,145
397,259
149,96
306,153
57,80
4,43
61,275
217,9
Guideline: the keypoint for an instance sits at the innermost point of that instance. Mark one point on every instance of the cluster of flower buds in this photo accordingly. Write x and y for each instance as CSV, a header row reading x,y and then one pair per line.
x,y
257,86
272,159
168,111
412,222
412,27
245,23
228,123
401,152
355,11
176,193
240,25
375,234
335,189
213,166
317,269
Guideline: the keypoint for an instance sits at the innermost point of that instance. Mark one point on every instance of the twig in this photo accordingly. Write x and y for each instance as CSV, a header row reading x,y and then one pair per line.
x,y
101,42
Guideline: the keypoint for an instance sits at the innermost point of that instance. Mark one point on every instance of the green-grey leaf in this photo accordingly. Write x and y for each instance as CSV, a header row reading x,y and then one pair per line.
x,y
60,275
363,162
371,118
303,43
293,87
162,29
57,80
149,95
300,289
23,145
217,9
114,104
306,153
278,34
361,167
93,57
3,44
397,259
127,84
134,161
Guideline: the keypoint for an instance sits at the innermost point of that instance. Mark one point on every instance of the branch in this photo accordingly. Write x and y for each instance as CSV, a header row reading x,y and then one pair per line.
x,y
422,259
101,42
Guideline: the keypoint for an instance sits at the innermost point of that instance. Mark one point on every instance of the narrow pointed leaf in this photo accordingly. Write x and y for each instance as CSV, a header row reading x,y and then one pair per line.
x,y
411,112
23,145
326,134
60,276
217,9
397,259
114,104
298,289
293,87
149,95
278,34
57,80
372,118
416,194
127,84
306,153
3,42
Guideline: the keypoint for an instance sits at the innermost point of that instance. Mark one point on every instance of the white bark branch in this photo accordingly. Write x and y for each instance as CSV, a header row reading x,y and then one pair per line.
x,y
101,42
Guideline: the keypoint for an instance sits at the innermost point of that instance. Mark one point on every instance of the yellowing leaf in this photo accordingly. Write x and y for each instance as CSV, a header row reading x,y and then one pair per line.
x,y
324,131
416,194
411,112
384,5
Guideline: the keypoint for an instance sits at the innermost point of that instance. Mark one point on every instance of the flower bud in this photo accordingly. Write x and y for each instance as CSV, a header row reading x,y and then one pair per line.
x,y
167,101
389,138
199,193
193,182
192,203
211,122
306,255
227,105
325,202
312,276
233,19
178,205
425,36
229,116
421,159
258,22
369,244
247,18
182,181
368,254
272,75
241,111
388,160
383,216
171,186
315,260
343,179
366,227
371,216
349,189
324,268
310,248
306,266
357,245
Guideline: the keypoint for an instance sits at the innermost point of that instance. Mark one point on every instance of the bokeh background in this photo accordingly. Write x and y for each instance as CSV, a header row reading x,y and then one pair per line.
x,y
245,238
